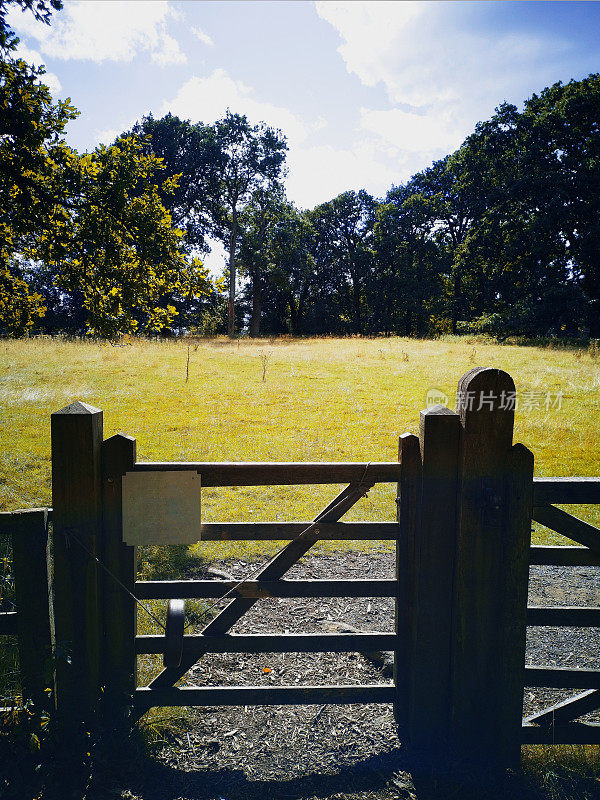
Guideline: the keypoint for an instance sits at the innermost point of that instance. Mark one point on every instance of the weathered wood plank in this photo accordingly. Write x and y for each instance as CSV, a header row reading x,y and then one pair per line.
x,y
518,504
568,556
566,710
562,677
264,473
195,646
569,616
492,552
573,733
31,564
547,491
146,698
165,590
567,525
119,608
8,623
265,531
432,578
77,526
408,509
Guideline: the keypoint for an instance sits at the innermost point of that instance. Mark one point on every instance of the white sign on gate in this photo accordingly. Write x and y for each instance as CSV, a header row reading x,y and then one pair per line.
x,y
161,507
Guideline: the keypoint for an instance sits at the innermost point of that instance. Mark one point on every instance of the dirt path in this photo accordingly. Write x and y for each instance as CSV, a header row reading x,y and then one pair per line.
x,y
331,751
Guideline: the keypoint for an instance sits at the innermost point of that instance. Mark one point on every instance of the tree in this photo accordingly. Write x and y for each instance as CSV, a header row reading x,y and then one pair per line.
x,y
538,173
292,275
190,153
120,249
406,285
41,10
257,224
343,232
562,126
32,159
250,158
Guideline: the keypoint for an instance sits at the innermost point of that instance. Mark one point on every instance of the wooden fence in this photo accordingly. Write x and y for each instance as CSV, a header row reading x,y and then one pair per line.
x,y
466,499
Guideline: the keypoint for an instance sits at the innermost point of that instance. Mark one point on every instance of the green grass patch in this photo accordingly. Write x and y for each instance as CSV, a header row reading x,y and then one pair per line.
x,y
323,399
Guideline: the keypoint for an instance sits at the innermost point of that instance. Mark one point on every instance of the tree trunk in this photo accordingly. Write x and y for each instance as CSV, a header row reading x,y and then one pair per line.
x,y
256,306
232,245
293,314
456,300
356,304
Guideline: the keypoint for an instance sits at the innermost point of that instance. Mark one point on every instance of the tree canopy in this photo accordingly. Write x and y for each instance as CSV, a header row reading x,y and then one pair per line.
x,y
502,236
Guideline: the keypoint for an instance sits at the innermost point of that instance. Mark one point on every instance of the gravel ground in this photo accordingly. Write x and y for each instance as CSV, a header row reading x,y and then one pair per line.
x,y
333,751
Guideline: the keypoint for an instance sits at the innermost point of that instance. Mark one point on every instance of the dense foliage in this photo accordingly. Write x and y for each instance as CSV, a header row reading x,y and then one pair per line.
x,y
501,236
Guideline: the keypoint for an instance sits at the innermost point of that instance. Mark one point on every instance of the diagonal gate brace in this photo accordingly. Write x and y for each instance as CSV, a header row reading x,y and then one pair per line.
x,y
566,710
273,570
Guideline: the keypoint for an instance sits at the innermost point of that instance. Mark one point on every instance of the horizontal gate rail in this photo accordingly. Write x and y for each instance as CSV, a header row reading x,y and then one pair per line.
x,y
568,733
567,556
566,490
568,616
262,695
562,677
166,590
198,645
280,473
266,531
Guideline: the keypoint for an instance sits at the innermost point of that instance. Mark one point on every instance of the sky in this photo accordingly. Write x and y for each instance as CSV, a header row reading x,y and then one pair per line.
x,y
367,93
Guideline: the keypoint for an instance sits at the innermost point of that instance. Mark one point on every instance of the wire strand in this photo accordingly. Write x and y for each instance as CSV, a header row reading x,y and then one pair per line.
x,y
71,535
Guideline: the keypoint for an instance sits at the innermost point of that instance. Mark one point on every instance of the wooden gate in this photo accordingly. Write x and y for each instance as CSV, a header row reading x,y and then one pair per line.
x,y
465,503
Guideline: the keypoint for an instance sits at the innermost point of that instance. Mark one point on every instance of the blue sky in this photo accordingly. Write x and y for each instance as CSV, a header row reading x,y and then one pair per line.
x,y
368,93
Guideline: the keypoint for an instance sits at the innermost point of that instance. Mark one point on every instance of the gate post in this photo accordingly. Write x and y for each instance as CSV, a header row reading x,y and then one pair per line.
x,y
491,574
76,433
119,607
432,568
31,564
408,508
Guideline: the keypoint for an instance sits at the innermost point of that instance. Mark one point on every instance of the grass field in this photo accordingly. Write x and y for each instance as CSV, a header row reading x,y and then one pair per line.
x,y
324,399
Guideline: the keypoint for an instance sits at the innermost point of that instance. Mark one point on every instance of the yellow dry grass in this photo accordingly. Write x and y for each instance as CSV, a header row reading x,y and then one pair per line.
x,y
322,399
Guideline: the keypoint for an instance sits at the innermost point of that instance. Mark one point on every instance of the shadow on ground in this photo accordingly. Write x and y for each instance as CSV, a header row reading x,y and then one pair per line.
x,y
128,774
390,776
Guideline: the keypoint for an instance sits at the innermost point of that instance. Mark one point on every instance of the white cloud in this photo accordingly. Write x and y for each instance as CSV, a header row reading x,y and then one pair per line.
x,y
108,136
370,32
321,172
208,98
316,172
433,133
100,31
169,52
441,74
204,37
35,59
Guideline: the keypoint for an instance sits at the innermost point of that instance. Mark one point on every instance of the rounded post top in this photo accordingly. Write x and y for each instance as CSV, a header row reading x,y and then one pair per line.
x,y
486,396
